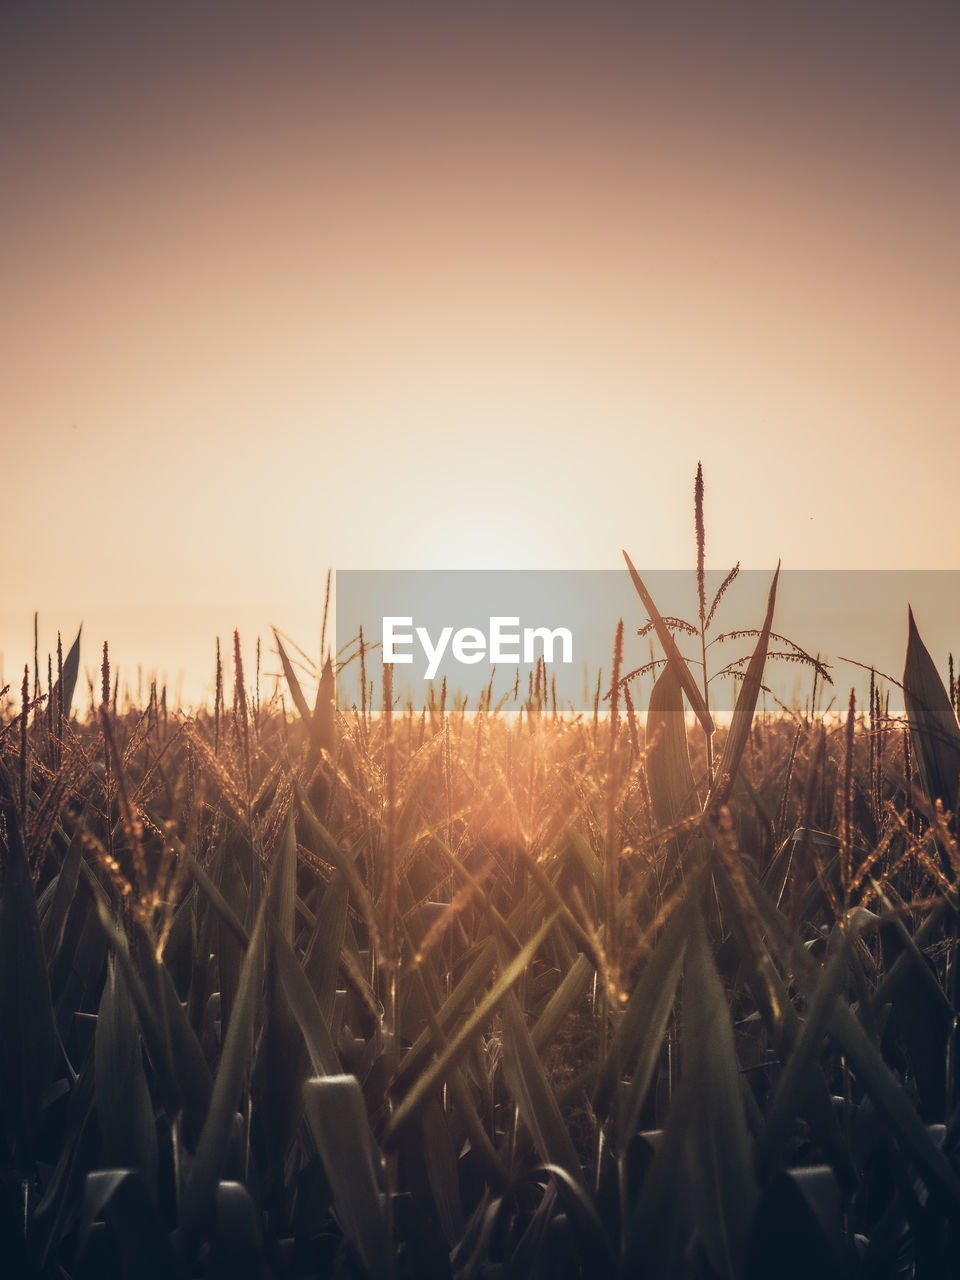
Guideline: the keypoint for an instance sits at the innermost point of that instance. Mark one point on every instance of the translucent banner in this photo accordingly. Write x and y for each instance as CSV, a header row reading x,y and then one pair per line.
x,y
550,634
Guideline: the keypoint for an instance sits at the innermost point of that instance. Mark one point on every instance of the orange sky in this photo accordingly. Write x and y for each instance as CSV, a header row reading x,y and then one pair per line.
x,y
288,286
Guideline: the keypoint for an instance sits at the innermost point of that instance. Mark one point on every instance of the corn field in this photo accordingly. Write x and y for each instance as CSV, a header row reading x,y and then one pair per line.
x,y
462,993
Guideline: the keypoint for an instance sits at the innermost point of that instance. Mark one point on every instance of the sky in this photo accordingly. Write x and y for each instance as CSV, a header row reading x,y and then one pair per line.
x,y
293,286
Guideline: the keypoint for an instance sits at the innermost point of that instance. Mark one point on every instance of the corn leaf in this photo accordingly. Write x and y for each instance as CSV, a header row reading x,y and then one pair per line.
x,y
440,1158
933,728
565,998
720,1155
199,1192
673,791
338,1122
128,1135
532,1094
323,955
306,1009
743,712
299,701
460,1044
891,1101
284,888
635,1047
674,657
217,901
28,1042
71,669
323,731
802,1076
236,1245
120,1197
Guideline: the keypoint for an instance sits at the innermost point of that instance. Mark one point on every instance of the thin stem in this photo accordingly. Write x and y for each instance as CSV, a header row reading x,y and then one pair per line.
x,y
702,601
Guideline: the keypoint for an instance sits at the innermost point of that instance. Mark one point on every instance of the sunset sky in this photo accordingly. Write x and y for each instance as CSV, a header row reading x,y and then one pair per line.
x,y
296,285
